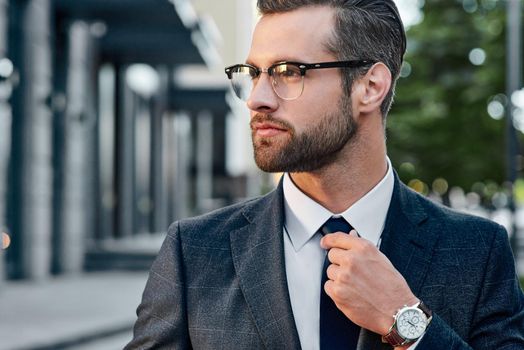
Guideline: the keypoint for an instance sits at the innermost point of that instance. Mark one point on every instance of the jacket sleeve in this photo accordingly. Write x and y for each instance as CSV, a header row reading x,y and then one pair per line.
x,y
162,317
498,320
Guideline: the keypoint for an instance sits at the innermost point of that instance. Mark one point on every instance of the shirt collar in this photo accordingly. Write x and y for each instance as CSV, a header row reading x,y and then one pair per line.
x,y
304,216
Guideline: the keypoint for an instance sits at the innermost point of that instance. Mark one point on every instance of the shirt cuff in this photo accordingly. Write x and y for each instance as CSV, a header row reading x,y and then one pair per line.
x,y
414,345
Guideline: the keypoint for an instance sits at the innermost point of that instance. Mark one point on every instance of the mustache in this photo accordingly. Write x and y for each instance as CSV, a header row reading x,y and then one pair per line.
x,y
268,118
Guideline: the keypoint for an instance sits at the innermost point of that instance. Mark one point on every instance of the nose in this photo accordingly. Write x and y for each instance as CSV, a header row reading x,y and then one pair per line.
x,y
263,98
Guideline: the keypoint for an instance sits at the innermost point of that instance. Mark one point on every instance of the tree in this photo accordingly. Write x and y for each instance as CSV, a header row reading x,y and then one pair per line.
x,y
439,126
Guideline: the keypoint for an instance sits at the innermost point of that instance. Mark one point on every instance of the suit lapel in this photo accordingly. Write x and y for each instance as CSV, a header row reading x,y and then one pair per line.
x,y
406,244
405,241
258,257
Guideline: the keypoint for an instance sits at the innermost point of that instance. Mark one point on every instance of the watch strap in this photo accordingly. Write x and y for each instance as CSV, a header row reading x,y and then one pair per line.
x,y
393,338
425,310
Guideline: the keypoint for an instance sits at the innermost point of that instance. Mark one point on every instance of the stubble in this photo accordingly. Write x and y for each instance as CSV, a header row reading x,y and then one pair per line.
x,y
312,149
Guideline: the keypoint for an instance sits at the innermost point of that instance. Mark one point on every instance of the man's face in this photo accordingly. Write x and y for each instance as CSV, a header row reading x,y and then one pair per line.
x,y
307,133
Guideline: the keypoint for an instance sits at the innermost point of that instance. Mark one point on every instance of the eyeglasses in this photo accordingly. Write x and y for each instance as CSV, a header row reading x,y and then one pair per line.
x,y
287,78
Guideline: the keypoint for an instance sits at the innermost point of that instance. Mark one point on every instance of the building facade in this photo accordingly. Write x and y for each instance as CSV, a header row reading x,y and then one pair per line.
x,y
105,134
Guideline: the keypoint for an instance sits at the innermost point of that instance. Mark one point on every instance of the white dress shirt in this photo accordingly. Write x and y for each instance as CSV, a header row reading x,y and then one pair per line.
x,y
304,257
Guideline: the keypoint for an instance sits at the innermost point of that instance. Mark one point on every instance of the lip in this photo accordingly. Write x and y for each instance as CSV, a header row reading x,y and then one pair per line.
x,y
266,129
266,125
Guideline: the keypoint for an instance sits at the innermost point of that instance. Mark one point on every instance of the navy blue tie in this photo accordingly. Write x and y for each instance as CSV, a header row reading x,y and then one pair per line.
x,y
336,330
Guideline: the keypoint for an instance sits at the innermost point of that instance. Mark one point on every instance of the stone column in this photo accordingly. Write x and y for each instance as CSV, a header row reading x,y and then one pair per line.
x,y
204,161
157,180
125,155
5,124
106,155
30,168
179,152
76,217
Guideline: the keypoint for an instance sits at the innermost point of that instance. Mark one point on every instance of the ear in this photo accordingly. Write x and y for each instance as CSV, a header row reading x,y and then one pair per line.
x,y
373,88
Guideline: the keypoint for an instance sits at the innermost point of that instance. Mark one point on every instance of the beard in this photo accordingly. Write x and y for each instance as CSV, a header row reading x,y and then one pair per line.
x,y
317,146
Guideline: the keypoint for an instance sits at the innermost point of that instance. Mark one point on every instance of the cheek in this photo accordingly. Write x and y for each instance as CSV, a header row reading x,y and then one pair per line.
x,y
323,92
312,106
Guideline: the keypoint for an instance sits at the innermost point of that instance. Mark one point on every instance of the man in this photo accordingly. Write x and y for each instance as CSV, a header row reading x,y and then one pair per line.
x,y
280,271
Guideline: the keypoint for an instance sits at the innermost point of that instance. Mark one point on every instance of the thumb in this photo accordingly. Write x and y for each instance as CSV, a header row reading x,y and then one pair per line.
x,y
354,233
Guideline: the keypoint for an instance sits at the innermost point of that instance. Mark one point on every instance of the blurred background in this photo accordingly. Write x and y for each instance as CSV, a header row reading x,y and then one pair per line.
x,y
116,119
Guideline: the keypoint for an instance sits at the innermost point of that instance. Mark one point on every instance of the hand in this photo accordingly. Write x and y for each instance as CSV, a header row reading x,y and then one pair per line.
x,y
363,283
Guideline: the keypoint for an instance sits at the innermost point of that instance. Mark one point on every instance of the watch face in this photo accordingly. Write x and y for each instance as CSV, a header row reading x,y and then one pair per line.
x,y
411,323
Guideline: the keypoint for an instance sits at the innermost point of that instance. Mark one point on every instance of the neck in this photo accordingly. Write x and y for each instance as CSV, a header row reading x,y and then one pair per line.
x,y
361,165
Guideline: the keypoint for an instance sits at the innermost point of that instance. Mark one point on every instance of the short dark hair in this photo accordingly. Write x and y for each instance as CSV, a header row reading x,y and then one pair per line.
x,y
364,29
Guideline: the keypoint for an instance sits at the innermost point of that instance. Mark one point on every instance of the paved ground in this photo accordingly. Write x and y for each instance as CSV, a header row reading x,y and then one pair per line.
x,y
86,312
108,343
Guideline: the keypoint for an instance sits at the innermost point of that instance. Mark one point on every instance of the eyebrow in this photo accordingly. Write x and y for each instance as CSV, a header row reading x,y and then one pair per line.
x,y
287,59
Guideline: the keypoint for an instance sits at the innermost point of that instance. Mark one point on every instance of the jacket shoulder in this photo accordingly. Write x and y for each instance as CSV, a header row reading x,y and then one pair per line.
x,y
460,226
218,223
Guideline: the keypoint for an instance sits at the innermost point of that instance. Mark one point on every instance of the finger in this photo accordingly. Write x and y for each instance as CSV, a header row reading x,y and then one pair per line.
x,y
334,290
338,240
332,272
329,288
338,256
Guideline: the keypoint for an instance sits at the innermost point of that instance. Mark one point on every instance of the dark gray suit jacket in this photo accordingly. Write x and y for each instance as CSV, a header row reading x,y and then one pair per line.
x,y
219,281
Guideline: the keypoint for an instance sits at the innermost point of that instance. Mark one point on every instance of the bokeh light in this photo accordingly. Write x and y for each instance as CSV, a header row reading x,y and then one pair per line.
x,y
98,29
407,168
142,79
440,186
419,186
6,240
6,68
477,56
517,98
489,4
470,6
496,110
500,200
518,119
405,70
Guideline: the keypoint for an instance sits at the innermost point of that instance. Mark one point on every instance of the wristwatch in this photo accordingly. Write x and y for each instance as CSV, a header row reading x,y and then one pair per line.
x,y
409,325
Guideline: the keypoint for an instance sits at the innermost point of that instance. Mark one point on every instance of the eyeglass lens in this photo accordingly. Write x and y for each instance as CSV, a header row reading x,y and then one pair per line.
x,y
286,80
242,82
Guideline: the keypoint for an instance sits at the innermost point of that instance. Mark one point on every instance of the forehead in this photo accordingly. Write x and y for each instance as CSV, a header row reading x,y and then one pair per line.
x,y
295,35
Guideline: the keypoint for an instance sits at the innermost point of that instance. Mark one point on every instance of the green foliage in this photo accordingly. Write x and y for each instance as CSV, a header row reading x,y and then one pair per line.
x,y
439,123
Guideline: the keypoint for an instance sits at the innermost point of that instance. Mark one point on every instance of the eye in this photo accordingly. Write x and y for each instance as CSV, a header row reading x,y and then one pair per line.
x,y
287,72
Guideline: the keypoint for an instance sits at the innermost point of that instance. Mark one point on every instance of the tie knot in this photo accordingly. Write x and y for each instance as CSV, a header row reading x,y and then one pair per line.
x,y
335,225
